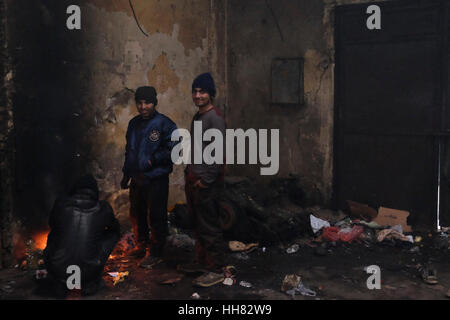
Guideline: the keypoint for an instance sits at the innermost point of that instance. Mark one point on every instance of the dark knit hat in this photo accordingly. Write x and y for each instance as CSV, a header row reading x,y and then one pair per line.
x,y
85,182
206,82
146,93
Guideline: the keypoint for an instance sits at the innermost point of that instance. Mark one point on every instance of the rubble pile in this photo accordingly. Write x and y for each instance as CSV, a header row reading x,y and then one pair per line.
x,y
252,213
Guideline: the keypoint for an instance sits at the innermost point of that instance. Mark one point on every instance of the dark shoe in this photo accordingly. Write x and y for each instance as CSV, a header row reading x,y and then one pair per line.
x,y
193,267
208,279
150,261
138,251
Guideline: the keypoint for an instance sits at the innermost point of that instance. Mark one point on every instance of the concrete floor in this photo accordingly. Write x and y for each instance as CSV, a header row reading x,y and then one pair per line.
x,y
337,275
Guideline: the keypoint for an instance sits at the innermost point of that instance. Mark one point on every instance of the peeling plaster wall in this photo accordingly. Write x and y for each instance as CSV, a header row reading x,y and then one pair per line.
x,y
306,29
75,96
182,42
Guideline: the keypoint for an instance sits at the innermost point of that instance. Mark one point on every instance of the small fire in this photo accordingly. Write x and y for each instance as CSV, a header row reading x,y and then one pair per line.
x,y
41,239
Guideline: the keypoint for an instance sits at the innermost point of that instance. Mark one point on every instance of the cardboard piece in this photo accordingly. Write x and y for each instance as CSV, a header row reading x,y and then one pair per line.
x,y
237,246
361,211
393,217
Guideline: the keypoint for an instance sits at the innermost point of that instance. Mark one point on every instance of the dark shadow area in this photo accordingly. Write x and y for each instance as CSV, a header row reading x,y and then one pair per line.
x,y
47,102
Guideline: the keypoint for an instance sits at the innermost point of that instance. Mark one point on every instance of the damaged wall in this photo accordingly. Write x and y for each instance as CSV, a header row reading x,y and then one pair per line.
x,y
6,147
260,31
74,89
185,38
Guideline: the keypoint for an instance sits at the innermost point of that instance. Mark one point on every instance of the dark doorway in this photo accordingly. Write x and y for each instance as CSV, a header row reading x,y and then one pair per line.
x,y
391,126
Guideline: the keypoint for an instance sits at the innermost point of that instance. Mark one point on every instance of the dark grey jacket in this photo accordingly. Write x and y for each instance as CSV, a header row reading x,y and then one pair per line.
x,y
208,174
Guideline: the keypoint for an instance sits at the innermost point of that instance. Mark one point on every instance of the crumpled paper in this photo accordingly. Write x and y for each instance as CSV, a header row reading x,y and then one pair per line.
x,y
301,289
393,234
118,276
317,224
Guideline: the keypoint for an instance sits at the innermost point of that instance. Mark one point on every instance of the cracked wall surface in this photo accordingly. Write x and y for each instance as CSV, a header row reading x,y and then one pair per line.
x,y
181,37
260,31
75,94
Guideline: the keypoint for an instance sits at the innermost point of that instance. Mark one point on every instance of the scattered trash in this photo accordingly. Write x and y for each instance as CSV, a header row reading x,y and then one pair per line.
x,y
118,276
344,223
317,224
41,274
392,217
245,284
241,256
360,210
334,234
331,234
368,236
195,296
418,239
301,289
371,224
263,249
429,275
228,281
290,282
293,249
392,234
398,228
7,289
229,271
182,241
170,278
208,279
352,234
237,246
415,250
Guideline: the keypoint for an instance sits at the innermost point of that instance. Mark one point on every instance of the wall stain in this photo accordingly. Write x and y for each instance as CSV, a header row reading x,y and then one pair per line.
x,y
162,76
160,17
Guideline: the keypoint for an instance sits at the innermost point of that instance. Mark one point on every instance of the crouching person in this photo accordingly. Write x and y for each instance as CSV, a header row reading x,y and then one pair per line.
x,y
83,234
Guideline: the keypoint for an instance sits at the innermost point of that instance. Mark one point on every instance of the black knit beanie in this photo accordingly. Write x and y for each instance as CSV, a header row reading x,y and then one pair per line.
x,y
85,182
206,82
148,94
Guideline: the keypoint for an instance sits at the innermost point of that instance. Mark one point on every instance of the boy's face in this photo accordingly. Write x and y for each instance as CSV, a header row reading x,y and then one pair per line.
x,y
201,97
145,108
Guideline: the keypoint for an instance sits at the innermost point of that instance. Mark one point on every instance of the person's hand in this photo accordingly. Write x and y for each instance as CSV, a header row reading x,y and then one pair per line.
x,y
124,183
199,184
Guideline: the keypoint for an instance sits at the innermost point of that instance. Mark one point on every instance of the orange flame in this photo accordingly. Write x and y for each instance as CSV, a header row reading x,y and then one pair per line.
x,y
41,239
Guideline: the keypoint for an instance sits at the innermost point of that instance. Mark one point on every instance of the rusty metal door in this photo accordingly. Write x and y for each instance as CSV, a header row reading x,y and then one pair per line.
x,y
389,105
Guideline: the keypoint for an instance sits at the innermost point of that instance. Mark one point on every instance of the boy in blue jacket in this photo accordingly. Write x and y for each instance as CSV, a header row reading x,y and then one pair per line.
x,y
148,165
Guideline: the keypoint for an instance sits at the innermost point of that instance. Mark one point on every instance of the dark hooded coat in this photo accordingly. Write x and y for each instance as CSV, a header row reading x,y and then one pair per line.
x,y
83,232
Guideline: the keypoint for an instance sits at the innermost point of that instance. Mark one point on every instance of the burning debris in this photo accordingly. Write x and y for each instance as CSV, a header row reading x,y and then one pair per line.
x,y
125,244
32,254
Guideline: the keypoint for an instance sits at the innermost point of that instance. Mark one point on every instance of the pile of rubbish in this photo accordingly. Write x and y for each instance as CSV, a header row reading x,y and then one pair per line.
x,y
252,214
366,225
33,257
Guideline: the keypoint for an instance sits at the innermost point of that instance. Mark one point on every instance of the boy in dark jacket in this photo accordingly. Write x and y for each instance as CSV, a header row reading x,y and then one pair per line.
x,y
148,164
83,233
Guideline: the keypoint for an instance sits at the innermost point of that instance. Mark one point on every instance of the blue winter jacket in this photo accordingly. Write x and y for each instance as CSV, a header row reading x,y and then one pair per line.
x,y
149,139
